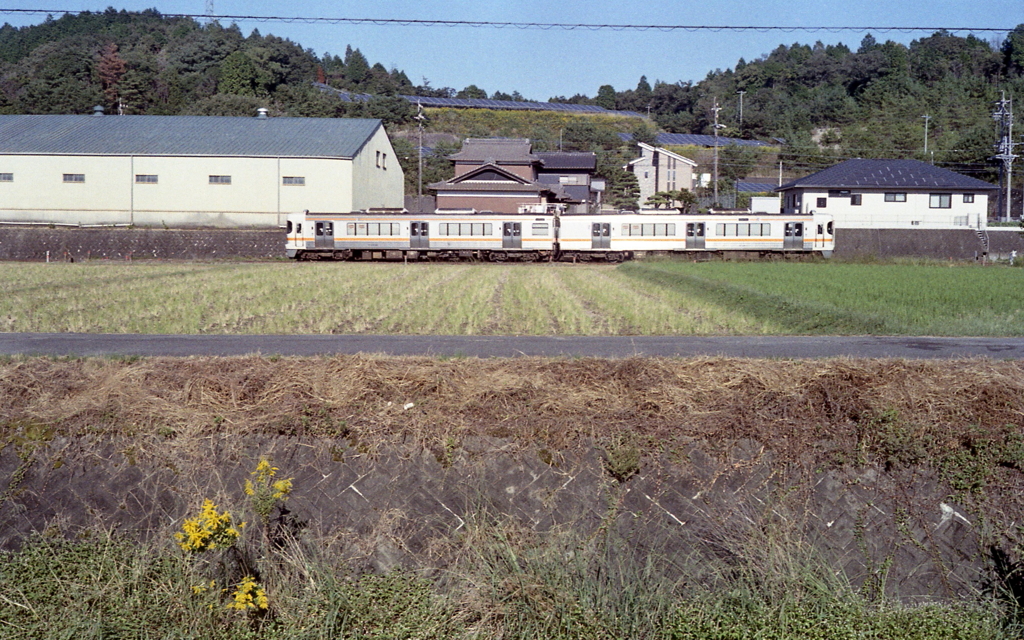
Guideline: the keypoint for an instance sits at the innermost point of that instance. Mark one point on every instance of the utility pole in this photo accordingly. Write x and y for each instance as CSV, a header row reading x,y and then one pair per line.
x,y
419,117
1004,116
926,119
741,111
716,109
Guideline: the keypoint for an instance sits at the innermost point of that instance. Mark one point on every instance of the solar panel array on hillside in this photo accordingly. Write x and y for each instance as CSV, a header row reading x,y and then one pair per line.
x,y
475,103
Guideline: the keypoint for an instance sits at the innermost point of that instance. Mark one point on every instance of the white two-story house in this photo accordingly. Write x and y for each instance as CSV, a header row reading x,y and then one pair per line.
x,y
891,194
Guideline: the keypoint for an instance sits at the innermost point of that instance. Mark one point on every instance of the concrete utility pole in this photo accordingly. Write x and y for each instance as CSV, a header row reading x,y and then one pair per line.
x,y
716,109
926,119
419,117
741,110
1004,116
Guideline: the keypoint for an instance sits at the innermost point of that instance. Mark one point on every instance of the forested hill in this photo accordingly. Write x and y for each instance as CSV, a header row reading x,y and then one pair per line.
x,y
145,63
827,102
868,102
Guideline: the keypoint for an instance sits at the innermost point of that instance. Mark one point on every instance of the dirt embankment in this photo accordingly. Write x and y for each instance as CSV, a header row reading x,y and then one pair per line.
x,y
905,473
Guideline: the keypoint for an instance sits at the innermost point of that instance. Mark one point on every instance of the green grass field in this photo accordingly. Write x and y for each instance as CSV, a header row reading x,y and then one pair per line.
x,y
639,298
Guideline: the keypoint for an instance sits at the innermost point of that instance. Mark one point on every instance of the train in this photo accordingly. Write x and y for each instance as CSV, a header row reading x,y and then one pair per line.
x,y
547,234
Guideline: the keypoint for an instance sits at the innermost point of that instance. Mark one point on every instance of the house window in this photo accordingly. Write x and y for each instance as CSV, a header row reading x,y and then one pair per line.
x,y
294,180
6,177
940,201
145,179
855,200
220,179
822,203
896,197
378,159
968,197
384,161
74,177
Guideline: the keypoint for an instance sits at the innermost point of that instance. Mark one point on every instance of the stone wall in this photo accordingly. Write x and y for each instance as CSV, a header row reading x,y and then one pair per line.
x,y
62,244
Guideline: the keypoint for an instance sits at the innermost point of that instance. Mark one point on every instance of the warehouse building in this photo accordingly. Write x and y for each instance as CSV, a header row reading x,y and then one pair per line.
x,y
191,171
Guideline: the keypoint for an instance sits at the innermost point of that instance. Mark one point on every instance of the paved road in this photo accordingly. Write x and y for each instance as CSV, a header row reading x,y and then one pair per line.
x,y
63,344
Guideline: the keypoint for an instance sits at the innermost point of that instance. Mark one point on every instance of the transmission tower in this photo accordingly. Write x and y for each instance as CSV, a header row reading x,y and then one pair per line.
x,y
209,11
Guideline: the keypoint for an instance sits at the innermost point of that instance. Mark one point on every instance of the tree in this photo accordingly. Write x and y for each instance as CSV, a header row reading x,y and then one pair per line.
x,y
110,69
238,75
605,96
1013,52
357,69
472,92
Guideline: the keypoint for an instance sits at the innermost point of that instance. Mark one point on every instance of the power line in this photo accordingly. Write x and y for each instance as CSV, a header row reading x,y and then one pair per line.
x,y
564,26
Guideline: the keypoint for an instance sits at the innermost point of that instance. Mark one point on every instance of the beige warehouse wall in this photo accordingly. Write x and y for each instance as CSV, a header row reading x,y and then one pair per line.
x,y
39,192
375,186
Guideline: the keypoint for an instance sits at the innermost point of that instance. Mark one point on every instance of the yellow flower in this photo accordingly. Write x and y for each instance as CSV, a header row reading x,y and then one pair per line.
x,y
249,596
208,531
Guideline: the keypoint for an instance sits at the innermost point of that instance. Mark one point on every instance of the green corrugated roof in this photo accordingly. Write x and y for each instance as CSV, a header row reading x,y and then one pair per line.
x,y
185,136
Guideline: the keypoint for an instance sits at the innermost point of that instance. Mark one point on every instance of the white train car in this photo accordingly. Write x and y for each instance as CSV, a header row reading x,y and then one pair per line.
x,y
621,236
371,236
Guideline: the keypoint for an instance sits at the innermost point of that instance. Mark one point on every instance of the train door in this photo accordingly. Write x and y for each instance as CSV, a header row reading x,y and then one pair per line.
x,y
419,235
695,235
601,235
512,235
794,238
324,231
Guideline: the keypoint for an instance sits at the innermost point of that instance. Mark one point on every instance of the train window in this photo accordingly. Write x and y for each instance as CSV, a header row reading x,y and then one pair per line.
x,y
828,227
299,181
298,228
648,229
288,227
689,229
766,229
350,228
328,228
720,229
478,228
743,229
373,228
821,229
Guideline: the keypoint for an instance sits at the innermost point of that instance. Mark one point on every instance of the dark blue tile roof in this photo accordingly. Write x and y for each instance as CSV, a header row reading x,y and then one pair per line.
x,y
904,174
185,136
564,160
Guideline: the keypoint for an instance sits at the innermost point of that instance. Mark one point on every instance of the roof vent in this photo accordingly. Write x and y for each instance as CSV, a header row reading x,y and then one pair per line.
x,y
262,113
97,110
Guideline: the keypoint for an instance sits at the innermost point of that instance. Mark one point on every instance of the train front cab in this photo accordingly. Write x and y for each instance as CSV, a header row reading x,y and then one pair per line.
x,y
820,235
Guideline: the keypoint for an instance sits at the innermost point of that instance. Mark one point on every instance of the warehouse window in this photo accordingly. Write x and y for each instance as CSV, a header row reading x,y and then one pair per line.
x,y
220,179
6,177
384,161
940,201
896,197
294,180
145,179
74,177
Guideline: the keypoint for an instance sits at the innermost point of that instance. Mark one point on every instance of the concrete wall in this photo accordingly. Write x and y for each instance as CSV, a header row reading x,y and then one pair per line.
x,y
941,244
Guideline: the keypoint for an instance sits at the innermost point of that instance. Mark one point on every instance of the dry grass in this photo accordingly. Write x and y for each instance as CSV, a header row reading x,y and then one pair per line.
x,y
793,408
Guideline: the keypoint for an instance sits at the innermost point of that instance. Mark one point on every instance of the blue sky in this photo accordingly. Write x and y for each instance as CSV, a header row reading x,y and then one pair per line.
x,y
544,63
